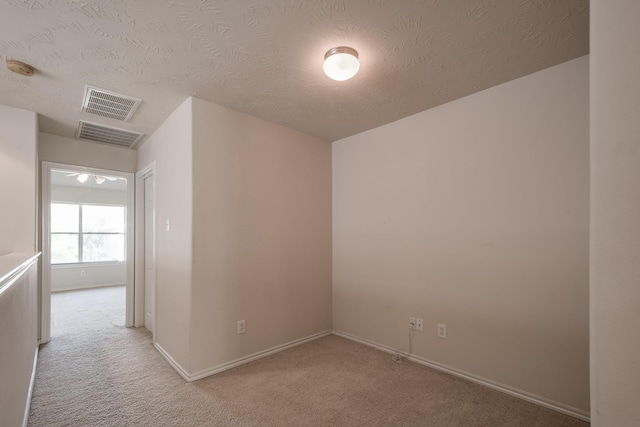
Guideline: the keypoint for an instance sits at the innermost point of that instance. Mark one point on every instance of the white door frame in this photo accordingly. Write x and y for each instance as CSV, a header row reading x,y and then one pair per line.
x,y
45,325
147,172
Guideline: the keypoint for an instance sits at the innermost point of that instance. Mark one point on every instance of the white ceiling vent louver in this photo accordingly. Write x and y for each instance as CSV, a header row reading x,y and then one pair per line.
x,y
107,134
109,104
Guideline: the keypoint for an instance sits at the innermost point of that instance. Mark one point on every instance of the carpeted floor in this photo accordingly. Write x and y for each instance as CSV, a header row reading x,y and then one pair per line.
x,y
96,372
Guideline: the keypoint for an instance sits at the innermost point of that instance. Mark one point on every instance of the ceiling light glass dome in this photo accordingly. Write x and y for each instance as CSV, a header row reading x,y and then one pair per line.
x,y
341,63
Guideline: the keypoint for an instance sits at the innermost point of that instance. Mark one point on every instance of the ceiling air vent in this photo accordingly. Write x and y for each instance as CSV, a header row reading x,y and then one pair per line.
x,y
109,104
107,134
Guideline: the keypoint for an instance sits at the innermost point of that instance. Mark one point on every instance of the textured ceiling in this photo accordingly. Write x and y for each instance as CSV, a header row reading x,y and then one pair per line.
x,y
264,57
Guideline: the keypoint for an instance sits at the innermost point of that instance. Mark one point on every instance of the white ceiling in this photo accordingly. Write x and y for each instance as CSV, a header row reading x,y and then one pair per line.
x,y
264,57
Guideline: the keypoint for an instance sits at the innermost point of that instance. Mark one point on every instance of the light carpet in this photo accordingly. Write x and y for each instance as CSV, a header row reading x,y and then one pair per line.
x,y
96,372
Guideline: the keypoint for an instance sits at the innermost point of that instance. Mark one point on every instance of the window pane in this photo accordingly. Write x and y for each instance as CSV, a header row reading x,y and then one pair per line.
x,y
96,219
64,248
103,247
64,218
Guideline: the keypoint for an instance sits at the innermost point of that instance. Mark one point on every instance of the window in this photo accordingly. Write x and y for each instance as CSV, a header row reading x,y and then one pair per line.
x,y
86,233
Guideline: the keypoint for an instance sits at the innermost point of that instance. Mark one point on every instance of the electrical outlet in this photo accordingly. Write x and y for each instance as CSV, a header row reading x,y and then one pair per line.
x,y
412,322
442,330
419,324
241,327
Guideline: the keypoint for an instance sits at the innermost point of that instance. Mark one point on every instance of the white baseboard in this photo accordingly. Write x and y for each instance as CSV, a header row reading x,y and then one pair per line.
x,y
556,406
27,407
175,365
256,356
92,286
234,363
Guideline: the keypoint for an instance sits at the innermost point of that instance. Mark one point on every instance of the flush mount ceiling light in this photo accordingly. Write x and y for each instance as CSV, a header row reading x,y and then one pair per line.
x,y
341,63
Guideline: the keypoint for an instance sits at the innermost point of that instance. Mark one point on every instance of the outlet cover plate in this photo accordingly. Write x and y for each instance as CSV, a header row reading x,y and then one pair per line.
x,y
442,331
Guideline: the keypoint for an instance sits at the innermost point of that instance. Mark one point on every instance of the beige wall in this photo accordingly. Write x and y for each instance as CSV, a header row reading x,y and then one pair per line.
x,y
262,235
18,299
18,133
615,213
18,335
250,209
85,276
58,149
474,214
170,147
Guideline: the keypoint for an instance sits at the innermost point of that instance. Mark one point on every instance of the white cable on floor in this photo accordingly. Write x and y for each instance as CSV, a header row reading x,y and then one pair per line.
x,y
398,357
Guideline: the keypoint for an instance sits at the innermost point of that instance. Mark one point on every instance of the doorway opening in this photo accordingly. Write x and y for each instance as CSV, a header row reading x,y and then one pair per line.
x,y
87,238
145,270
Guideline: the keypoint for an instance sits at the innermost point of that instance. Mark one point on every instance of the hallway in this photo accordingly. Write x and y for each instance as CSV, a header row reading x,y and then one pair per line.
x,y
95,372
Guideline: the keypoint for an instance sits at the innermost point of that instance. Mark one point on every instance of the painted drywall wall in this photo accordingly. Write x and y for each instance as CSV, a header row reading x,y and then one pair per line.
x,y
18,294
261,237
474,214
18,154
18,335
615,213
170,148
58,149
85,276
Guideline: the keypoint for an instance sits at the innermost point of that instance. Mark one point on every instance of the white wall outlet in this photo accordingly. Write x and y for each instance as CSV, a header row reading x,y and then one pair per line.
x,y
419,324
242,327
167,225
412,322
442,330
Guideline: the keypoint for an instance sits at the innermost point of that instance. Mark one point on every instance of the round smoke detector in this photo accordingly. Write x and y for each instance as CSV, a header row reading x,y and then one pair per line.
x,y
20,67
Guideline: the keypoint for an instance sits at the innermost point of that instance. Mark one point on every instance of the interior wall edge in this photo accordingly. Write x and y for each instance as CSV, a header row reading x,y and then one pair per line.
x,y
174,364
188,377
255,356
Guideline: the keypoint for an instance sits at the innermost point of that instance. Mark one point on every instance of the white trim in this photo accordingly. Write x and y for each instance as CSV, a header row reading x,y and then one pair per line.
x,y
27,260
69,265
130,249
92,286
256,356
27,408
45,288
175,365
241,361
550,404
44,335
148,171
